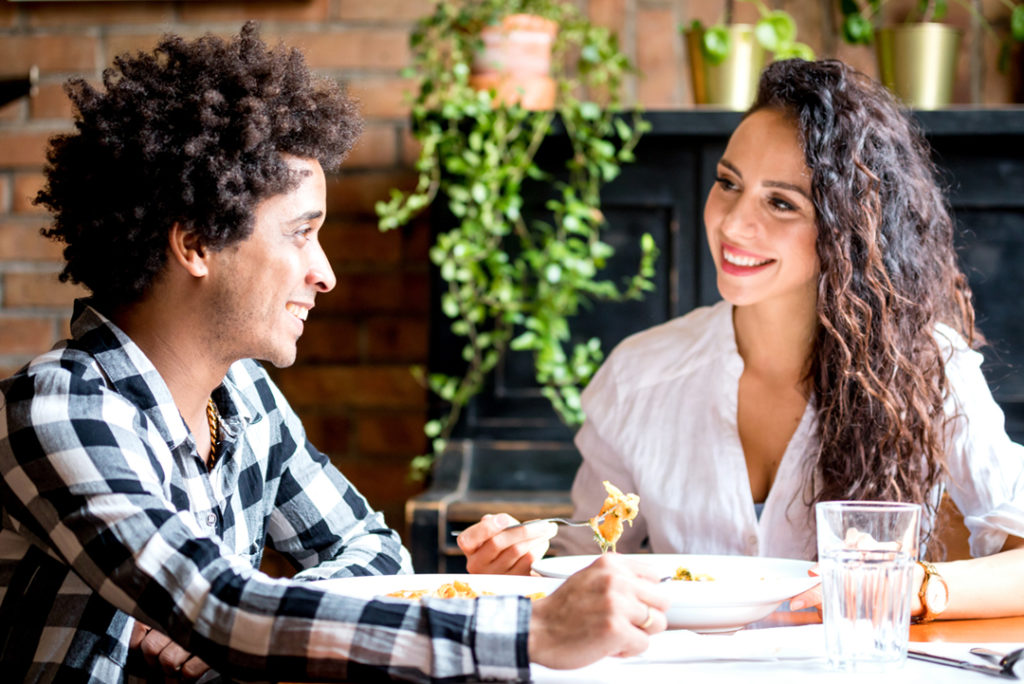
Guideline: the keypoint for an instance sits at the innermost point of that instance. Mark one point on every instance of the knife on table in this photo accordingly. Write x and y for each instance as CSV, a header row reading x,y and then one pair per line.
x,y
962,664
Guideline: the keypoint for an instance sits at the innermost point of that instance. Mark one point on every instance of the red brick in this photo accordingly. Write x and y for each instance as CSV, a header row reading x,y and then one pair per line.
x,y
611,14
132,43
364,48
104,13
382,97
51,102
330,340
25,335
39,290
384,10
21,241
54,52
410,147
658,58
13,111
390,433
8,14
26,185
321,387
328,432
261,10
24,148
356,193
397,339
362,293
376,147
347,243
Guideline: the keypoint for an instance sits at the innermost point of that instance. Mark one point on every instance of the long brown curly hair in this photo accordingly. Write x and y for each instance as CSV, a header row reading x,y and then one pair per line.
x,y
191,133
889,275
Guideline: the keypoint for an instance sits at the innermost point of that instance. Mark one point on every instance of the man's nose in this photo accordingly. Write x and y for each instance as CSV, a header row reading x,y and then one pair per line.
x,y
320,274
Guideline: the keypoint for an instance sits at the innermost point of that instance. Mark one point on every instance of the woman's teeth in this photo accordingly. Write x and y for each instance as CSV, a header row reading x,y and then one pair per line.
x,y
299,312
742,260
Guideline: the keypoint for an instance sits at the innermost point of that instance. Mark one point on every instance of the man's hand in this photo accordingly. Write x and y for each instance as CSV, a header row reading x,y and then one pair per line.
x,y
608,609
493,549
163,655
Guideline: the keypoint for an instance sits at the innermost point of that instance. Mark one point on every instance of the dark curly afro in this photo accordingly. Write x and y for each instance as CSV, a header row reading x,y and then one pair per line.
x,y
192,133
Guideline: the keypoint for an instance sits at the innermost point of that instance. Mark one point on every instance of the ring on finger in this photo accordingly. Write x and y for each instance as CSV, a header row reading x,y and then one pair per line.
x,y
649,620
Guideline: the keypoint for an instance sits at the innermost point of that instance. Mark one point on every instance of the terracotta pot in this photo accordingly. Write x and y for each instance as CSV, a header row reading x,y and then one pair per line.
x,y
515,61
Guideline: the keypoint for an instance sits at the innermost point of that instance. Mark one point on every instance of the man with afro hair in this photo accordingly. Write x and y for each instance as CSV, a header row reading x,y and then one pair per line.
x,y
149,460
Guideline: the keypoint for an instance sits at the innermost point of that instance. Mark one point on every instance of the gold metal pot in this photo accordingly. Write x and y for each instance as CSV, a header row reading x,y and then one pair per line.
x,y
918,63
733,83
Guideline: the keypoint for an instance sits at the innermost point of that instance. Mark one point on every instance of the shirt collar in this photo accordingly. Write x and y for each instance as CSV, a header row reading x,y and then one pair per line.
x,y
130,372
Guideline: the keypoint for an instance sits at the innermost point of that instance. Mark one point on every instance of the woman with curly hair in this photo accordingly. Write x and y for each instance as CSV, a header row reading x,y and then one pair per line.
x,y
840,364
148,461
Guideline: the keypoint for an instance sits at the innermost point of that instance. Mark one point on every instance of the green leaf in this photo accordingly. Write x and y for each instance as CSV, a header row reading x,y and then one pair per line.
x,y
1017,23
857,30
795,50
775,30
432,428
715,44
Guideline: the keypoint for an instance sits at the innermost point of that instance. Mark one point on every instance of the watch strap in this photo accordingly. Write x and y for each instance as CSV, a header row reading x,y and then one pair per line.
x,y
930,573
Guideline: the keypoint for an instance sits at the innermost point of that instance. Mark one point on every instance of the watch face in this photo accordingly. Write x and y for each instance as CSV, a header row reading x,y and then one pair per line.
x,y
937,595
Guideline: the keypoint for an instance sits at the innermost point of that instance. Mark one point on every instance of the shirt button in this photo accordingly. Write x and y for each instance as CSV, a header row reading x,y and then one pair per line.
x,y
752,542
211,520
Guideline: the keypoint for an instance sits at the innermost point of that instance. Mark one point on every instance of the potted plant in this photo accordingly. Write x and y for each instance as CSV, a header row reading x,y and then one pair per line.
x,y
726,58
512,281
917,58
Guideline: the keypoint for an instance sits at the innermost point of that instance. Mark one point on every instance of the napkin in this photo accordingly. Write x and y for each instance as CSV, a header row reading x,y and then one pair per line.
x,y
779,643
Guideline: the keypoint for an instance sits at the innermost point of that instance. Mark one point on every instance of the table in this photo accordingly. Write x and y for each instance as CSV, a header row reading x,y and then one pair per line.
x,y
786,647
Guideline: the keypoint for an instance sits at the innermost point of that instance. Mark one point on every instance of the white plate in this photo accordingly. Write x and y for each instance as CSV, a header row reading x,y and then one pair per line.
x,y
744,590
380,585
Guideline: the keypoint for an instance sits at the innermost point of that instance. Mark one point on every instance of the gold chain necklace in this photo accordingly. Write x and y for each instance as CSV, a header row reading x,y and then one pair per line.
x,y
213,418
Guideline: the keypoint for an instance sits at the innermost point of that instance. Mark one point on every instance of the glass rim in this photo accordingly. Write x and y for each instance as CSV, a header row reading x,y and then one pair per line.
x,y
867,505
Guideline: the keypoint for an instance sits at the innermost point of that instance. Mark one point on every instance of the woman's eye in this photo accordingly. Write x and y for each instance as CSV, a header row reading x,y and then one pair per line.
x,y
781,204
725,183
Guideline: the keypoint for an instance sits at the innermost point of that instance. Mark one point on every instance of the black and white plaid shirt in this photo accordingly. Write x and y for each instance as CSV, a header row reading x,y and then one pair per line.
x,y
108,513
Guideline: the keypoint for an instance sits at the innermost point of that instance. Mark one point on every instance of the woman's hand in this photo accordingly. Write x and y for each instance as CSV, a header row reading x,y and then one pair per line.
x,y
810,598
493,549
163,655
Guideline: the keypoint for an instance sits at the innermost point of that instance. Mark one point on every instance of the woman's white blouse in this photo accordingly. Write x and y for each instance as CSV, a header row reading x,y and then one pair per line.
x,y
661,422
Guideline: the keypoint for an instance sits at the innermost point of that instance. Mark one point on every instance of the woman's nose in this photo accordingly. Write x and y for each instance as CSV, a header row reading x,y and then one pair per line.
x,y
741,219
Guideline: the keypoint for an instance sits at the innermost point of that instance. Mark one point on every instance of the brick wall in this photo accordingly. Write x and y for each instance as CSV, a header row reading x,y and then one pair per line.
x,y
351,382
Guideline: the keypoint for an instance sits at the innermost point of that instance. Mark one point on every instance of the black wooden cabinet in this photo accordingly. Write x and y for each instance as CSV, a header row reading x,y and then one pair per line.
x,y
511,435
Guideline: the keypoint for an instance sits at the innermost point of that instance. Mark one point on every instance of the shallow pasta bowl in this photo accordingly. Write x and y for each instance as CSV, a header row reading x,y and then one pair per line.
x,y
743,589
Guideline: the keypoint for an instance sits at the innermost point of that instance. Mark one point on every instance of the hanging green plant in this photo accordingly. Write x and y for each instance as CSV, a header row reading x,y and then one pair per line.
x,y
514,281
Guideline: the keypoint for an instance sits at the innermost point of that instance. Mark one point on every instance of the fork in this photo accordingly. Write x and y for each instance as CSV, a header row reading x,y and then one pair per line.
x,y
1004,660
557,521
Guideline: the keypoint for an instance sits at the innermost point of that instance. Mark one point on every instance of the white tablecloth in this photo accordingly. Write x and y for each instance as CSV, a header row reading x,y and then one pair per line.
x,y
759,656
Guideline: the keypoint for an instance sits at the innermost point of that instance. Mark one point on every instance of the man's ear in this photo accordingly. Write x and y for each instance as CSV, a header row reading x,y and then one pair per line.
x,y
187,249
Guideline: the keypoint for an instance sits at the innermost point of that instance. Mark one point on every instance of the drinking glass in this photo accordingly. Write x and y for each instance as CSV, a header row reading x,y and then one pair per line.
x,y
866,553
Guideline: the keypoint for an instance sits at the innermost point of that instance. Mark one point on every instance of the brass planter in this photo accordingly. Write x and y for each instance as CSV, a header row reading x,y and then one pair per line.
x,y
733,83
918,63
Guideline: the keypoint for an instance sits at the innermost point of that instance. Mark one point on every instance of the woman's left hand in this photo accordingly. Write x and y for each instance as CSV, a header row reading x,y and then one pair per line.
x,y
810,598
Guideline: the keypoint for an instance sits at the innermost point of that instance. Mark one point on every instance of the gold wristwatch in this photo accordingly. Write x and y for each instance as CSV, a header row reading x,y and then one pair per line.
x,y
934,593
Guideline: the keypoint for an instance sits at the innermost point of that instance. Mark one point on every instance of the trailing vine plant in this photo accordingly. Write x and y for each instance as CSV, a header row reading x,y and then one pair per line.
x,y
511,281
